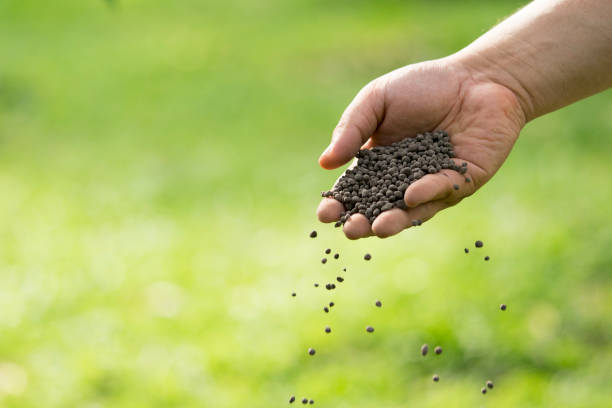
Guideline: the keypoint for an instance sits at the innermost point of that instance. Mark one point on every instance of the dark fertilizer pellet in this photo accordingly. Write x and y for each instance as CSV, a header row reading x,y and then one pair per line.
x,y
435,377
382,174
311,402
490,384
467,180
313,234
337,224
336,256
331,304
370,329
311,351
378,303
424,349
503,307
438,350
466,250
326,309
293,294
304,401
367,257
486,258
327,329
292,399
340,279
316,285
343,269
324,260
328,251
478,244
484,390
456,186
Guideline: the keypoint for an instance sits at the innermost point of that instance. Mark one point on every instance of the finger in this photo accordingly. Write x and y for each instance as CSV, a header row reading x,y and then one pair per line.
x,y
358,122
357,226
329,210
368,144
394,221
445,185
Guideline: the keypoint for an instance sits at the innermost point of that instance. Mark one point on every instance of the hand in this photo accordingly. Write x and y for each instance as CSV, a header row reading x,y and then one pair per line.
x,y
482,117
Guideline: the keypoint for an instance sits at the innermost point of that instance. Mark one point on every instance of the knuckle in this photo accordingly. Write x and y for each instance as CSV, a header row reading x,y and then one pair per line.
x,y
340,126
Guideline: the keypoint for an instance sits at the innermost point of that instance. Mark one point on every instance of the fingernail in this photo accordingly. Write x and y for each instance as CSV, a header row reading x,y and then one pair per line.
x,y
409,202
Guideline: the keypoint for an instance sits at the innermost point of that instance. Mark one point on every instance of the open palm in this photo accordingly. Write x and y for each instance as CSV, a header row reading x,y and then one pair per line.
x,y
482,118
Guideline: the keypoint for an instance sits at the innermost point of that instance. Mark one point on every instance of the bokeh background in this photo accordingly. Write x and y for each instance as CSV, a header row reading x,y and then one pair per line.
x,y
158,181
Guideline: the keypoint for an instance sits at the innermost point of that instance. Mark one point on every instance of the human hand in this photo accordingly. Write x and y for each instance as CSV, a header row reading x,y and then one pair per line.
x,y
482,117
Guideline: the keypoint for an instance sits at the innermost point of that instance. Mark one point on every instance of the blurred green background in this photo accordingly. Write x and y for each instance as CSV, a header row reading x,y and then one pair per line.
x,y
158,181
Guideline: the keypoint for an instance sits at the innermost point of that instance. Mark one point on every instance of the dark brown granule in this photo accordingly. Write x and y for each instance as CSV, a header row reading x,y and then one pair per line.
x,y
304,401
316,285
313,234
293,294
486,258
424,349
324,260
327,329
328,251
311,402
337,224
336,256
467,180
311,351
484,390
343,269
367,257
340,279
466,250
331,304
370,329
326,309
436,378
438,350
456,186
292,399
503,306
479,244
378,303
382,174
490,384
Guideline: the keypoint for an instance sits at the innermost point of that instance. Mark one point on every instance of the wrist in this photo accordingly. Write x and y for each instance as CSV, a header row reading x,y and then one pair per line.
x,y
493,69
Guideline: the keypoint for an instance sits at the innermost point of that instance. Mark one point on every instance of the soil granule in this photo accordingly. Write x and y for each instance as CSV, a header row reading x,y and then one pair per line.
x,y
382,174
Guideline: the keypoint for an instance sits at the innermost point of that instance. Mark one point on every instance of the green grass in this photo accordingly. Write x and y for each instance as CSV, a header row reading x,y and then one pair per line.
x,y
158,180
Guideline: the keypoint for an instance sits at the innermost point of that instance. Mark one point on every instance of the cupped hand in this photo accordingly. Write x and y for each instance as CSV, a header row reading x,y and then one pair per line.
x,y
482,117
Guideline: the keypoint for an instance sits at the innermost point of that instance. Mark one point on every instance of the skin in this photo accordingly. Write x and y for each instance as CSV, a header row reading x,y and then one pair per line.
x,y
546,56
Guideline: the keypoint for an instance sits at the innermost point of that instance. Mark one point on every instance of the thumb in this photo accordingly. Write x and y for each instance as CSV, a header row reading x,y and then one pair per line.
x,y
357,124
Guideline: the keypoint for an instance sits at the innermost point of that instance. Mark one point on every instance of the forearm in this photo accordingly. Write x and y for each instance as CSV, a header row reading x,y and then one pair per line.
x,y
550,53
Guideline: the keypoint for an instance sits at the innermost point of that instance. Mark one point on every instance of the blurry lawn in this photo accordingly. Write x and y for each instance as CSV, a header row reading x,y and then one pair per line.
x,y
158,181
